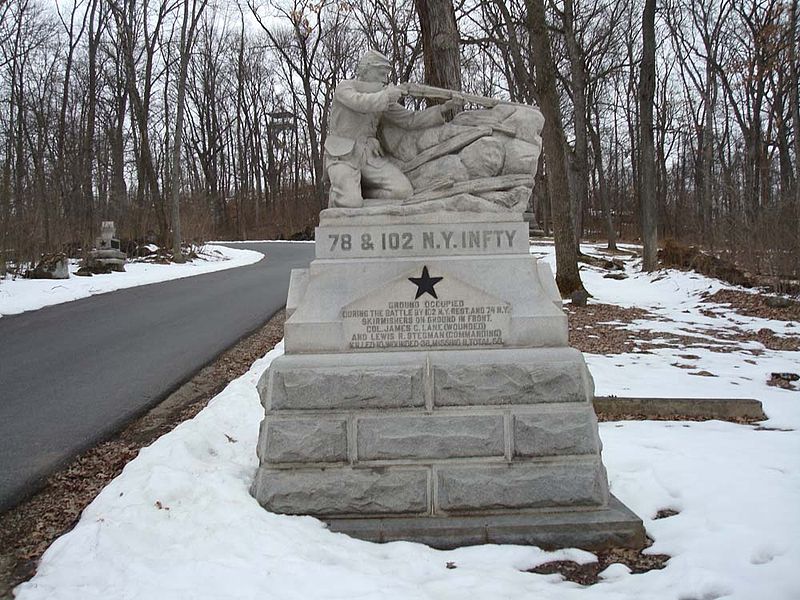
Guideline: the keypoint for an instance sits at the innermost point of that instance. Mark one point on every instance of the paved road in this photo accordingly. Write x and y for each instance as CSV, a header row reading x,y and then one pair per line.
x,y
73,373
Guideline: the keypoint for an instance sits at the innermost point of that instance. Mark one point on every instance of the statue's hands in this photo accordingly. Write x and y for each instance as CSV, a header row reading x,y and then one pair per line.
x,y
392,94
452,107
375,147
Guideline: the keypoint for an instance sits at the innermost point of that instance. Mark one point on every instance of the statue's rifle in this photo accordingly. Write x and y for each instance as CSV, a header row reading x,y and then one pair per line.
x,y
419,90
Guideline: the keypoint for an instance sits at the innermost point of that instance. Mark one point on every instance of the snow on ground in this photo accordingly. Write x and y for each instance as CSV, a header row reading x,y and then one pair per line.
x,y
20,295
674,297
179,522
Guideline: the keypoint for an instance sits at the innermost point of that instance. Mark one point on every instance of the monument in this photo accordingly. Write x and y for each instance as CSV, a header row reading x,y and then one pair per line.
x,y
106,254
427,391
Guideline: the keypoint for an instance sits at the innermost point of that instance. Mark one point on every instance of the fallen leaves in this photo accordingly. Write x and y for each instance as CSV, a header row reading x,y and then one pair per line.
x,y
783,380
590,573
755,305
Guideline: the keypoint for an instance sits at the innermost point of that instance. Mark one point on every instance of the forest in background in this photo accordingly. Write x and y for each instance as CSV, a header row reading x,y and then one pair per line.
x,y
123,109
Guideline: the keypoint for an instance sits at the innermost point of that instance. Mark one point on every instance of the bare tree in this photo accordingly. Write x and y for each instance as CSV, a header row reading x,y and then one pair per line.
x,y
126,19
440,37
794,57
67,189
92,121
191,17
298,47
647,86
554,142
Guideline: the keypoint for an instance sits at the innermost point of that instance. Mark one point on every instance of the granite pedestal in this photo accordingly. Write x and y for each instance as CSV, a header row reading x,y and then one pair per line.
x,y
428,392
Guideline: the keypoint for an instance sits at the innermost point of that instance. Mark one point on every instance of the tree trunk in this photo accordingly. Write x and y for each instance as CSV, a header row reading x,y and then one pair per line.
x,y
187,39
567,275
647,86
87,161
118,187
794,101
579,164
708,151
594,134
440,38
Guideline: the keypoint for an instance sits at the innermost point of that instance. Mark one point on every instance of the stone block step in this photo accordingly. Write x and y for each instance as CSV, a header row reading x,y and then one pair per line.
x,y
442,489
612,527
415,379
343,491
407,436
476,488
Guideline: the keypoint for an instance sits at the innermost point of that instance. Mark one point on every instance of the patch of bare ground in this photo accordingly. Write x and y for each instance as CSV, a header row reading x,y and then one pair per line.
x,y
602,329
589,573
755,305
765,336
28,529
595,328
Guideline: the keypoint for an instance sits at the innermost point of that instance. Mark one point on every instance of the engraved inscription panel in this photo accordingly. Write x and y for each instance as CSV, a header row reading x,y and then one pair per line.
x,y
421,240
425,310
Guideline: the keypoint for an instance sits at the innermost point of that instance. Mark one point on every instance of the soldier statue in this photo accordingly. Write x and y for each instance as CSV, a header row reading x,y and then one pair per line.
x,y
354,159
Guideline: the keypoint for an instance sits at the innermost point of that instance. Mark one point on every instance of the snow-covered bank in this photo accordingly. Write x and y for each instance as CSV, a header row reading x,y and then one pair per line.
x,y
20,295
674,300
179,522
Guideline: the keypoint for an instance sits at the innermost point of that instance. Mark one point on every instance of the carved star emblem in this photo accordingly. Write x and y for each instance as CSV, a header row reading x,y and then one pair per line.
x,y
425,283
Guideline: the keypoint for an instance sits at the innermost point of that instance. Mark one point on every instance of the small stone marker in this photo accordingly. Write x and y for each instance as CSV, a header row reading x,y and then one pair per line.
x,y
107,254
427,391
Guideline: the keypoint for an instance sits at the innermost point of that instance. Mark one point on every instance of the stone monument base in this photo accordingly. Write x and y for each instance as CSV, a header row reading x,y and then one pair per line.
x,y
428,391
615,526
446,447
113,259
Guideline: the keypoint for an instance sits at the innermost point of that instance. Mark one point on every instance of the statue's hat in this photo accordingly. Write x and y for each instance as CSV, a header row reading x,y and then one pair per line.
x,y
373,58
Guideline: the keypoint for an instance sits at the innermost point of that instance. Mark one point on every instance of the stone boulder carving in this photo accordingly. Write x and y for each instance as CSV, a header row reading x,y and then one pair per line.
x,y
473,154
378,152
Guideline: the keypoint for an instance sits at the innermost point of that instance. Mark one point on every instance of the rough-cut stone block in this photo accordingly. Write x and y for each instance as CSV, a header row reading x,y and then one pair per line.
x,y
515,197
438,437
556,433
483,158
528,124
331,388
446,167
304,440
508,384
521,486
342,491
521,157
